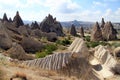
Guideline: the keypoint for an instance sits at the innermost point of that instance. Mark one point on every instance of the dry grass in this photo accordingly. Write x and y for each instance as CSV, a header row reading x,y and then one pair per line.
x,y
20,75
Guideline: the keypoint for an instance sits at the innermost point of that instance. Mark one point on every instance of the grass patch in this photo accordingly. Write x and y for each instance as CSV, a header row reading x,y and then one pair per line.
x,y
87,38
115,44
94,44
49,48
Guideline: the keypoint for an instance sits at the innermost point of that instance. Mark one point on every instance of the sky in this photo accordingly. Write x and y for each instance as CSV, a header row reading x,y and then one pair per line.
x,y
63,10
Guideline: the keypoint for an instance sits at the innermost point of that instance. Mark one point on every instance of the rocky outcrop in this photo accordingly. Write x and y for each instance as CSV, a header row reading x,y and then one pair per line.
x,y
35,25
81,32
96,34
73,30
51,25
102,23
5,18
17,20
108,32
31,45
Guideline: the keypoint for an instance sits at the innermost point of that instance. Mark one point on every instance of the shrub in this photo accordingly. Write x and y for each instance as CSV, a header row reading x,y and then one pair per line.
x,y
49,48
40,54
87,38
63,42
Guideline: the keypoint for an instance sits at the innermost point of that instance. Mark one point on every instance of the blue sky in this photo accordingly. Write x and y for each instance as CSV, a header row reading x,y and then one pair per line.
x,y
64,10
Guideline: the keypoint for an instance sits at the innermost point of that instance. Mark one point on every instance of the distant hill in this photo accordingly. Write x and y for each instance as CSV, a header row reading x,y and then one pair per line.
x,y
77,23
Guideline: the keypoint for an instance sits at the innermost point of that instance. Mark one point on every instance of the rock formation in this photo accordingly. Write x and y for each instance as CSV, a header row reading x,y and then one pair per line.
x,y
5,41
10,20
102,23
17,20
17,52
96,34
51,25
35,25
51,36
73,30
81,31
5,17
66,63
31,45
108,32
116,52
23,30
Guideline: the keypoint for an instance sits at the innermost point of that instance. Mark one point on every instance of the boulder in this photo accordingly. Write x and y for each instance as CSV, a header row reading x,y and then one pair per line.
x,y
108,32
51,25
73,30
31,45
17,20
96,34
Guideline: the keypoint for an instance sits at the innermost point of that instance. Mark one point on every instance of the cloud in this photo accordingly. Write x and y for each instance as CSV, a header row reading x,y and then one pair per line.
x,y
63,6
111,0
64,10
97,3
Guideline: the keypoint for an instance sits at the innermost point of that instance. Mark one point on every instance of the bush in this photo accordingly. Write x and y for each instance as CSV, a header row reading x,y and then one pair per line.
x,y
40,54
63,42
87,38
49,48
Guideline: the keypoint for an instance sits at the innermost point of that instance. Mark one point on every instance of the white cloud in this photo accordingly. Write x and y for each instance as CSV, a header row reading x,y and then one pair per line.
x,y
63,6
111,0
97,3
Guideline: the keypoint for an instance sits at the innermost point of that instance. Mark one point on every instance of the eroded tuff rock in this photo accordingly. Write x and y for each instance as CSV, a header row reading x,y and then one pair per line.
x,y
23,30
5,41
17,20
5,18
31,45
67,63
96,34
49,24
108,32
51,36
102,23
81,31
17,52
35,25
73,30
